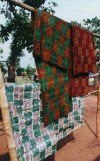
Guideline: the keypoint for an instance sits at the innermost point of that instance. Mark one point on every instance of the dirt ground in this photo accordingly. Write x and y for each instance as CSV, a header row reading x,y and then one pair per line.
x,y
81,145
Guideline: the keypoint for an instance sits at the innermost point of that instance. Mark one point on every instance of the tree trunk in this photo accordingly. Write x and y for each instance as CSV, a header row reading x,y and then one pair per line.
x,y
11,73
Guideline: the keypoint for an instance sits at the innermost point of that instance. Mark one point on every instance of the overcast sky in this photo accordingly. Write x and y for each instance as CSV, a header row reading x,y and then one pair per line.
x,y
77,9
68,10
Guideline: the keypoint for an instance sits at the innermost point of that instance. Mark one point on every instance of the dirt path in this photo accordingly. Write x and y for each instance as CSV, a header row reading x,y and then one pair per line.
x,y
85,147
82,145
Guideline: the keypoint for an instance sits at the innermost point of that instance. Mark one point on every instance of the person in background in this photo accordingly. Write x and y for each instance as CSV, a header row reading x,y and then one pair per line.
x,y
36,77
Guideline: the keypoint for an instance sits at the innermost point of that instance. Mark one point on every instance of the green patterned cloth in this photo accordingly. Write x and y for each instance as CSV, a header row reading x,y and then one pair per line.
x,y
51,39
51,52
34,142
54,91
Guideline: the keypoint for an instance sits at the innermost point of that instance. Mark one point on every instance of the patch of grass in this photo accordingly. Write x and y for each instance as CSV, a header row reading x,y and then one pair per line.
x,y
20,80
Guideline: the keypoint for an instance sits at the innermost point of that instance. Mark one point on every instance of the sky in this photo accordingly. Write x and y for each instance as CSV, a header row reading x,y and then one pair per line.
x,y
68,10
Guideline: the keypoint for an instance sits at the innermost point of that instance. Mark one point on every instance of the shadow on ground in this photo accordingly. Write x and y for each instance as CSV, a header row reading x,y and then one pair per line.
x,y
60,144
63,142
5,157
97,159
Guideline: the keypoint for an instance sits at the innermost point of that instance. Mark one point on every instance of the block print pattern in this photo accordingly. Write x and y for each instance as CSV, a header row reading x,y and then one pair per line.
x,y
51,39
83,50
55,92
79,86
34,142
52,46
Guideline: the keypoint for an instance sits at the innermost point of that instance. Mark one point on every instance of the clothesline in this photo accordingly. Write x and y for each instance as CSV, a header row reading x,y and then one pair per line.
x,y
29,8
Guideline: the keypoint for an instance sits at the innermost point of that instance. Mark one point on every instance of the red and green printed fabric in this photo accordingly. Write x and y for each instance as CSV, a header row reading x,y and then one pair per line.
x,y
83,50
79,86
55,92
51,39
51,52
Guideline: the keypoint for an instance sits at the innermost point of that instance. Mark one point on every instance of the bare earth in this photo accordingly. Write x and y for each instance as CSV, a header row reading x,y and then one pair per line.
x,y
82,145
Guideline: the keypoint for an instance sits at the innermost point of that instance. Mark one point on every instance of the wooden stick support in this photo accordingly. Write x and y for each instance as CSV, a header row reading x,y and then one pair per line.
x,y
98,112
23,5
96,35
6,121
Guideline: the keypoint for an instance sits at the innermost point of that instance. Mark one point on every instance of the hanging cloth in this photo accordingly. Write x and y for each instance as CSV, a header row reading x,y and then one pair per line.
x,y
83,51
83,60
51,39
51,52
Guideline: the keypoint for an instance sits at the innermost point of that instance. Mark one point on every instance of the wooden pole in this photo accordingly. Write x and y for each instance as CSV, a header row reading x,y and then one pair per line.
x,y
96,35
6,121
98,112
23,5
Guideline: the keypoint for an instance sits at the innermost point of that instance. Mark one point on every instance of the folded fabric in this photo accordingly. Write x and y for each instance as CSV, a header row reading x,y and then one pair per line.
x,y
79,86
54,91
83,50
51,39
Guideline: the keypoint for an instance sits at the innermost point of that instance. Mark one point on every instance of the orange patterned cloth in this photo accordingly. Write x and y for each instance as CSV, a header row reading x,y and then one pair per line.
x,y
83,51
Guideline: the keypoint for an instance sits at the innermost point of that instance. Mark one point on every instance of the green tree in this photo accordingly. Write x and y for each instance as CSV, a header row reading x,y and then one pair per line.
x,y
1,50
18,27
94,26
19,71
29,70
3,68
76,23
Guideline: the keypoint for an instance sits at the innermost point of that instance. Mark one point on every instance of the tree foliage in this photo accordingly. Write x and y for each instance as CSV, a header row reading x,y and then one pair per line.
x,y
3,68
19,71
94,26
76,23
18,27
1,50
29,70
